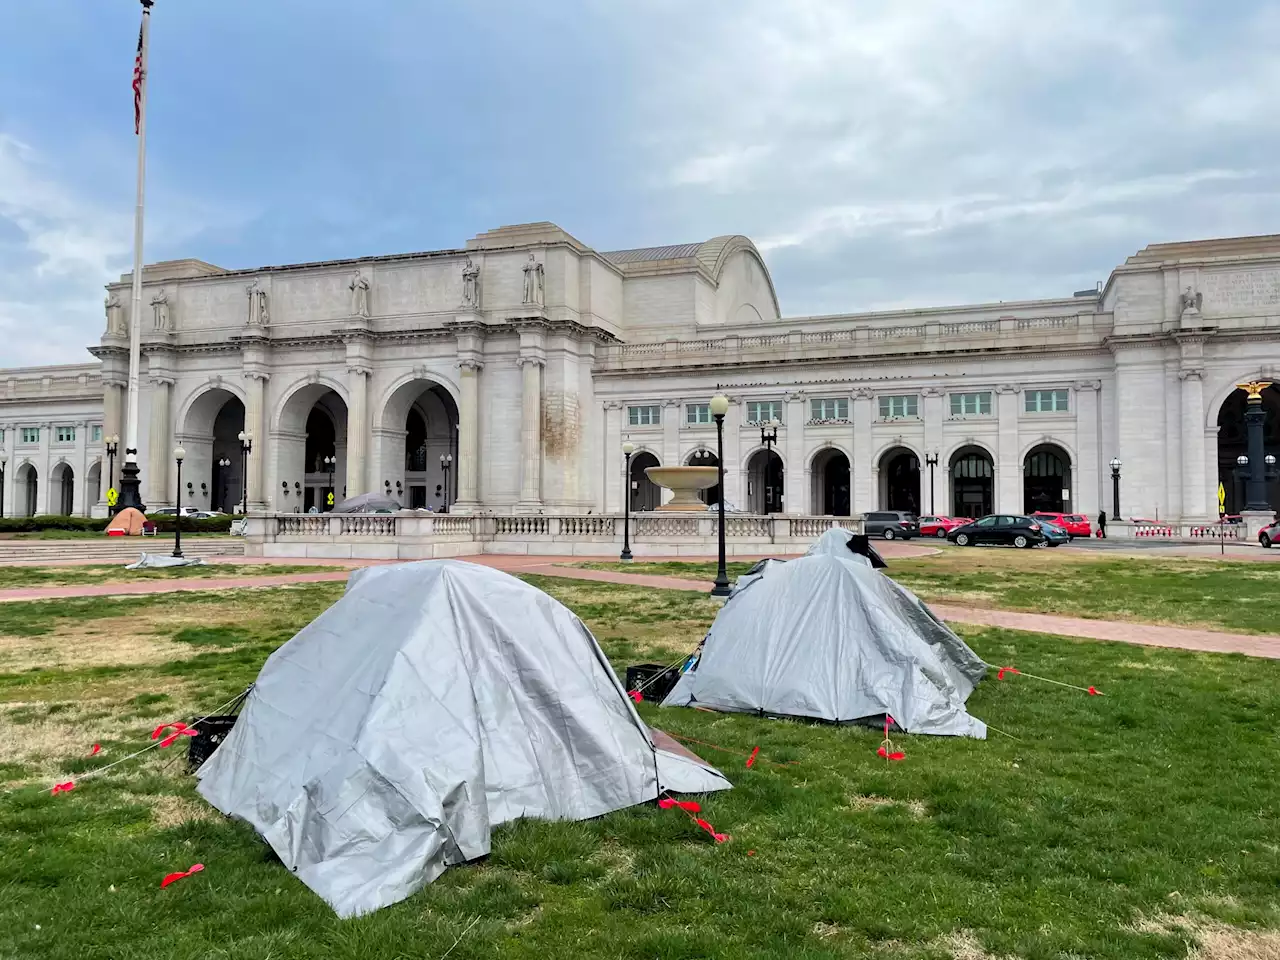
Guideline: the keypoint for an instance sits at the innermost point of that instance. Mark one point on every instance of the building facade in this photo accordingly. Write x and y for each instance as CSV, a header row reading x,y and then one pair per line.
x,y
504,377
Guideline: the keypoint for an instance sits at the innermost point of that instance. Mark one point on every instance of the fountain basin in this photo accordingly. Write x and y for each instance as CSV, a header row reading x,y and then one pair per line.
x,y
684,484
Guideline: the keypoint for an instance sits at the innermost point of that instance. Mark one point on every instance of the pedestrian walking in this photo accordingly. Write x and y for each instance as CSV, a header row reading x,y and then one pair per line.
x,y
1102,525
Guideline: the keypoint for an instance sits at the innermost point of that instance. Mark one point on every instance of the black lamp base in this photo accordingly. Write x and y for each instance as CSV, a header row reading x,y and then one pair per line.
x,y
130,489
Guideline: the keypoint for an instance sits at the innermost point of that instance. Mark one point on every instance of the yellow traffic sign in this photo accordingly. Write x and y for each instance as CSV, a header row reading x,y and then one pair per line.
x,y
1222,498
112,496
330,498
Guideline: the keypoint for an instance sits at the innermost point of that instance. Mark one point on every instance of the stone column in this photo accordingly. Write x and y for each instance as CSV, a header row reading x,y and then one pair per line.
x,y
1195,497
864,477
1086,495
46,501
734,486
159,444
670,441
468,437
933,483
530,433
1008,480
255,424
358,431
80,496
795,491
612,457
112,425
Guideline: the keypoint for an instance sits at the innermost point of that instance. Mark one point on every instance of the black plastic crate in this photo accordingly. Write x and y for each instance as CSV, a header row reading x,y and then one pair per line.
x,y
212,731
656,679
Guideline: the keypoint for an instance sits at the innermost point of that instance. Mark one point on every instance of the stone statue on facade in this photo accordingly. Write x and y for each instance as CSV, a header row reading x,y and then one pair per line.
x,y
359,287
115,318
471,284
258,312
160,311
533,282
1191,302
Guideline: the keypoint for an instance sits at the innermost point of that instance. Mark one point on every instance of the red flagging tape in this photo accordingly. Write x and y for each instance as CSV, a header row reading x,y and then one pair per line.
x,y
636,695
63,787
752,759
180,730
1003,670
174,877
667,803
97,749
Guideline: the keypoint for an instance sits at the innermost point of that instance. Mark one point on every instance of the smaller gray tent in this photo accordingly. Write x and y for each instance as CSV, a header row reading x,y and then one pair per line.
x,y
828,637
431,703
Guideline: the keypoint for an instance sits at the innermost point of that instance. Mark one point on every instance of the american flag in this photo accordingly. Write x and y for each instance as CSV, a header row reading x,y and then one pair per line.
x,y
137,87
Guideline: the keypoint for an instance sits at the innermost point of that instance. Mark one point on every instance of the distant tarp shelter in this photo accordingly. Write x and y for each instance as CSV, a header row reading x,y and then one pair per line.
x,y
829,637
431,703
151,560
129,521
367,503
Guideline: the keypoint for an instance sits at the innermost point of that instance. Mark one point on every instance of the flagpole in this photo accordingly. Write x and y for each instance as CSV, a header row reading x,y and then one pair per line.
x,y
130,494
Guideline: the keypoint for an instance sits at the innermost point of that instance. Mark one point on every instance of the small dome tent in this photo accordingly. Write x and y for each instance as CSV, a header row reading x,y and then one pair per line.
x,y
829,637
433,702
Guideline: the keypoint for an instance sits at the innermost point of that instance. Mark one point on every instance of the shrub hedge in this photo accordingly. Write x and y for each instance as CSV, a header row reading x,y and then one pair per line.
x,y
165,523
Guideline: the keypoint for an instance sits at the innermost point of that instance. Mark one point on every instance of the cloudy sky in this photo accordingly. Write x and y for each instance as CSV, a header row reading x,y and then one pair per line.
x,y
881,154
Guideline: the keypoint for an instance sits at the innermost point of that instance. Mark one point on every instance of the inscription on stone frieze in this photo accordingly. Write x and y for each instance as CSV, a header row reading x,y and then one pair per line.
x,y
1240,290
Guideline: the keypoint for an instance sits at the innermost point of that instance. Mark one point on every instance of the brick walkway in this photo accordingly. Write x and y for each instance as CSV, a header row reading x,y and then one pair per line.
x,y
1182,638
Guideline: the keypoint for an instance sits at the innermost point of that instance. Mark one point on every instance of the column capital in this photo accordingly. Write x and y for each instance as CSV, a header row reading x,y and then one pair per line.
x,y
256,375
1009,388
1191,373
613,404
864,393
671,402
474,364
1086,386
359,369
931,392
161,380
535,361
115,382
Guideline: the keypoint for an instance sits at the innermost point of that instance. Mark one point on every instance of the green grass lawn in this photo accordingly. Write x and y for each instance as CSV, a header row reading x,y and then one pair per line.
x,y
13,577
1132,825
1231,596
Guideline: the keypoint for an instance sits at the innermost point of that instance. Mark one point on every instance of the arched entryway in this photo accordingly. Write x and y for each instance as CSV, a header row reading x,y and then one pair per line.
x,y
1046,480
418,434
900,480
93,486
765,482
312,426
62,489
829,483
1233,443
972,483
214,465
645,494
26,490
705,458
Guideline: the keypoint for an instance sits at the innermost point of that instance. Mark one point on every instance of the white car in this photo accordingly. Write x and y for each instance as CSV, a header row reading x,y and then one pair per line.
x,y
173,512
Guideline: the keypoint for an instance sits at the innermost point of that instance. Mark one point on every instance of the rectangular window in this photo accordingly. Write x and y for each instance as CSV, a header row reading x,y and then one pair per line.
x,y
648,416
1046,401
698,413
970,404
95,433
829,408
30,434
66,434
762,411
895,408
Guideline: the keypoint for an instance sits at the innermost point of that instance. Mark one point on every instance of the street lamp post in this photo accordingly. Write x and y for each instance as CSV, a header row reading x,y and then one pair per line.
x,y
246,447
719,407
628,449
178,454
446,464
1115,488
932,460
113,446
767,439
223,463
3,461
1255,418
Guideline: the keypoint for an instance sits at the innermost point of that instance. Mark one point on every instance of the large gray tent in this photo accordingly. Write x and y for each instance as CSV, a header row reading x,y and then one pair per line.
x,y
431,703
828,637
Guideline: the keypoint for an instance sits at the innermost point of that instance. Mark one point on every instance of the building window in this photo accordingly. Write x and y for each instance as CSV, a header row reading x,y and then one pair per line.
x,y
698,413
1046,401
762,411
896,408
829,408
95,433
30,434
65,434
970,404
648,416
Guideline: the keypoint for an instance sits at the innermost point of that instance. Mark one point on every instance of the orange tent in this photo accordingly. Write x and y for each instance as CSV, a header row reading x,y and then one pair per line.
x,y
128,521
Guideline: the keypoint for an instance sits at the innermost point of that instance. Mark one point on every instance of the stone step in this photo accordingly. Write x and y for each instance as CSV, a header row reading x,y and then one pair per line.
x,y
123,549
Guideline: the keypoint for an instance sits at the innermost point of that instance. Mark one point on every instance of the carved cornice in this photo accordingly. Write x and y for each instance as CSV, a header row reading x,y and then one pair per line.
x,y
470,363
361,370
161,380
1084,386
1191,373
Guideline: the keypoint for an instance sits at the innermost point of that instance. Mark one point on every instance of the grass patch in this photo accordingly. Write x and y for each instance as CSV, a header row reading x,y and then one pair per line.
x,y
17,577
1211,594
1141,824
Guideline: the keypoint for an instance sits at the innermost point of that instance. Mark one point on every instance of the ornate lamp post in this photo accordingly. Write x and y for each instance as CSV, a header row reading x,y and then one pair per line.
x,y
223,464
932,460
330,464
1255,417
178,454
628,449
3,461
767,439
1115,487
719,407
446,464
113,447
246,447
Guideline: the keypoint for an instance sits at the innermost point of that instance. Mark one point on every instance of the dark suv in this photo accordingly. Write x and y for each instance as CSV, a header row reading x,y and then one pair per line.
x,y
1000,528
890,524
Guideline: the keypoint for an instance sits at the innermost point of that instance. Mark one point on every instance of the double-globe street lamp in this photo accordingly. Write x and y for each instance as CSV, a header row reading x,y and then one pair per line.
x,y
931,459
719,407
112,444
246,447
179,455
224,462
628,449
1115,487
330,464
1255,501
446,464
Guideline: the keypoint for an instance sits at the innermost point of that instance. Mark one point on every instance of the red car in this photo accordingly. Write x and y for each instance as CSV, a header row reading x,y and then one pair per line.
x,y
940,526
1075,524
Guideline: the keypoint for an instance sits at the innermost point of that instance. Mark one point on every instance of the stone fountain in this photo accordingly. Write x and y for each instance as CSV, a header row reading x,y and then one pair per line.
x,y
684,484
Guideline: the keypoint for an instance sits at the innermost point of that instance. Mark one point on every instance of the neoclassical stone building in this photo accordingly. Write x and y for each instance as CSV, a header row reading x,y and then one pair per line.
x,y
505,376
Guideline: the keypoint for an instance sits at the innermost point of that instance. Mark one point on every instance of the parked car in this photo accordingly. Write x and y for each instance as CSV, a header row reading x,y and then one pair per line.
x,y
999,529
173,511
1054,535
206,514
890,524
1075,524
939,526
1269,534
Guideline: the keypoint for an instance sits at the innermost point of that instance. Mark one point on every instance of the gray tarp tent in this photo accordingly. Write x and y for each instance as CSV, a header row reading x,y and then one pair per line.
x,y
367,503
431,703
829,637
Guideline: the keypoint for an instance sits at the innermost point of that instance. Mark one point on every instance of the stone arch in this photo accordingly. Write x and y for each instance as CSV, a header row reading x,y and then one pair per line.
x,y
26,490
1046,478
296,484
209,423
1231,442
972,485
62,489
1222,393
702,455
830,471
644,493
93,491
415,437
898,468
765,471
